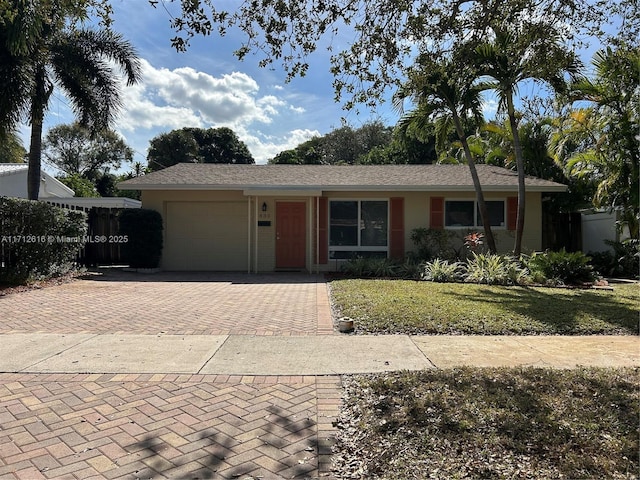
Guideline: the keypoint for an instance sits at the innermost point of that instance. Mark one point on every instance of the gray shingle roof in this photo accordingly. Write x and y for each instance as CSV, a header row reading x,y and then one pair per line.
x,y
190,176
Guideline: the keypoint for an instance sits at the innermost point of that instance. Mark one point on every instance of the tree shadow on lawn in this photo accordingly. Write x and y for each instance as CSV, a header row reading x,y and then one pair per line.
x,y
563,311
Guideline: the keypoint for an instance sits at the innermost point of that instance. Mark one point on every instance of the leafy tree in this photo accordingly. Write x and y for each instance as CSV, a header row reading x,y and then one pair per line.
x,y
525,51
197,145
137,171
11,148
75,150
177,146
57,54
446,100
82,187
600,142
495,145
343,145
386,33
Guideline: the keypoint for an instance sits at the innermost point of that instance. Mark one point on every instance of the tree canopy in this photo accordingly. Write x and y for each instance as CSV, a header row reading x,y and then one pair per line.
x,y
386,34
197,145
372,143
598,137
11,148
73,149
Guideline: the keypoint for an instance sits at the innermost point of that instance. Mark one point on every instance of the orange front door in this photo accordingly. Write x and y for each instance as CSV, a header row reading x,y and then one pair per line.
x,y
290,235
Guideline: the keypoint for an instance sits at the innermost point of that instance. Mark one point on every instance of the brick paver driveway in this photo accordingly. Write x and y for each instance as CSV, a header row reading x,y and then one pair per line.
x,y
80,426
173,303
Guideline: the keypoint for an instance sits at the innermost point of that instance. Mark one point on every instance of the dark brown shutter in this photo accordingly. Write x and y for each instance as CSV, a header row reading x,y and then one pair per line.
x,y
396,247
512,212
437,213
323,230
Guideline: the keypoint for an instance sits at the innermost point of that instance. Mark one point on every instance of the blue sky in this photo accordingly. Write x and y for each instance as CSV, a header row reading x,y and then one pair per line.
x,y
208,87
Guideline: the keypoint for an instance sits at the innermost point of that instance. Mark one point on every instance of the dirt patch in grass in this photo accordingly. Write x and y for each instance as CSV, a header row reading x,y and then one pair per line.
x,y
490,423
411,307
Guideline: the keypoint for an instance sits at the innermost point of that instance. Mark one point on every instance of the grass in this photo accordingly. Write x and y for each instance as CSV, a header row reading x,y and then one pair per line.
x,y
491,424
405,306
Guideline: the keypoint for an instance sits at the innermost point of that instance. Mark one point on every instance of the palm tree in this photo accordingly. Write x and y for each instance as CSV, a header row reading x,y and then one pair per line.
x,y
449,99
80,63
601,142
510,58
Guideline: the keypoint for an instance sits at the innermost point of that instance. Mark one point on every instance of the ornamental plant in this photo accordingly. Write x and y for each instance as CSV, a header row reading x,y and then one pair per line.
x,y
38,240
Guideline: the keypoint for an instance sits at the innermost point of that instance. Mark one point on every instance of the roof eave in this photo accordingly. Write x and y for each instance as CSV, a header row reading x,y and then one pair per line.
x,y
350,188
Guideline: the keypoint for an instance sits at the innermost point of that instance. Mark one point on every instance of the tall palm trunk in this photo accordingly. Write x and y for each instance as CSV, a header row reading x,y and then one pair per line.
x,y
517,249
38,104
482,206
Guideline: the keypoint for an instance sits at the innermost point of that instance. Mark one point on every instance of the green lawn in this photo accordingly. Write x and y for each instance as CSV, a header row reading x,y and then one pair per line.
x,y
490,423
405,306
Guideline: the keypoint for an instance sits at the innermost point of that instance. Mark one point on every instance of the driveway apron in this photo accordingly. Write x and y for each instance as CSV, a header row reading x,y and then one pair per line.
x,y
172,303
165,424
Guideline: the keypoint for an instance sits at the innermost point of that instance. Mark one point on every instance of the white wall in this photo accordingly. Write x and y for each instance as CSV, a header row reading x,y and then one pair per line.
x,y
596,228
15,185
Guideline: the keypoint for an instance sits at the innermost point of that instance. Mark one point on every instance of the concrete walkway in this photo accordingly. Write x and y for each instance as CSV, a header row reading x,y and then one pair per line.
x,y
302,355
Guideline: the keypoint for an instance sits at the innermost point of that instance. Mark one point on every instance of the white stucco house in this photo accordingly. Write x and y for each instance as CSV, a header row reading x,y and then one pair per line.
x,y
13,183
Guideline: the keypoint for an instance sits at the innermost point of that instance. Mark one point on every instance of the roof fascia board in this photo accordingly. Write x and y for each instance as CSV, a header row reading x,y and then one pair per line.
x,y
281,192
313,189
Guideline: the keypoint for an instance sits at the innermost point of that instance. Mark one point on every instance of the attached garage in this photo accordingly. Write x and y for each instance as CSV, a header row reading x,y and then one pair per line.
x,y
206,236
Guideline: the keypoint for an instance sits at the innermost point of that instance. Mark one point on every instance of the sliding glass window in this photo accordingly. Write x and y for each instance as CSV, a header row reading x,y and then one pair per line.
x,y
358,228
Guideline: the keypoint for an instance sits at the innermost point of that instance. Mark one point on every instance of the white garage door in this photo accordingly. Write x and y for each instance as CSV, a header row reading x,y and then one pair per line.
x,y
206,236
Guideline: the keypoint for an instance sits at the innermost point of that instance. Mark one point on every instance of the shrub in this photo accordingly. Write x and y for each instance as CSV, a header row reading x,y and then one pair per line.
x,y
370,267
623,261
366,267
627,256
495,270
409,269
143,229
442,271
38,240
562,267
433,243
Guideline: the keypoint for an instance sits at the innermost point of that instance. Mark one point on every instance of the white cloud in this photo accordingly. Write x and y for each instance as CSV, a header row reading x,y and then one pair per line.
x,y
490,106
187,97
264,147
184,97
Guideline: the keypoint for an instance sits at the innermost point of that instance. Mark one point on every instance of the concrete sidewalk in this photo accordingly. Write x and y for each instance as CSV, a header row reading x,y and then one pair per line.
x,y
306,355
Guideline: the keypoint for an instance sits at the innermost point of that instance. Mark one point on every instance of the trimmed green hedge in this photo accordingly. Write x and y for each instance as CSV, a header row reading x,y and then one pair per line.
x,y
143,230
38,240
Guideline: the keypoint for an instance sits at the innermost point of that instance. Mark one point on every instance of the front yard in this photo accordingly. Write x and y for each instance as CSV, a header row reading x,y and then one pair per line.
x,y
411,307
494,423
490,423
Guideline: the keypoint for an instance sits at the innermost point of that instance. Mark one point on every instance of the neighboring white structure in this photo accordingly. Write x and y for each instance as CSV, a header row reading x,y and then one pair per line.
x,y
598,226
86,203
13,183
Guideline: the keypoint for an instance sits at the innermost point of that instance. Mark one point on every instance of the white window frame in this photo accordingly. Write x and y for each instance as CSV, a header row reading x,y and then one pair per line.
x,y
476,215
359,247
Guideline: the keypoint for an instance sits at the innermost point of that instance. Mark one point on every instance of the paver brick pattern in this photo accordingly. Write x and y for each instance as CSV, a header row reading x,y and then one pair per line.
x,y
132,426
182,304
83,426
